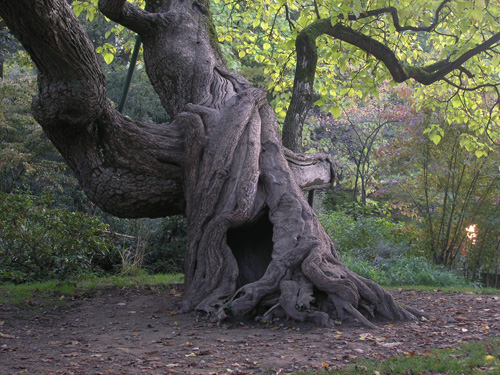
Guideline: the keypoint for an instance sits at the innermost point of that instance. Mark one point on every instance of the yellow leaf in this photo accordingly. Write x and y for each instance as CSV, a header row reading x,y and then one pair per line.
x,y
191,355
489,358
108,57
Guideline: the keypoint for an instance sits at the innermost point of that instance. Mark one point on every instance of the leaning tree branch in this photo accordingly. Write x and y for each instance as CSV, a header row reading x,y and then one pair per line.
x,y
128,168
307,58
456,64
128,15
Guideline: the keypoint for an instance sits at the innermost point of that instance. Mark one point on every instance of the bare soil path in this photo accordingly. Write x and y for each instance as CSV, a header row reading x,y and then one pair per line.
x,y
136,330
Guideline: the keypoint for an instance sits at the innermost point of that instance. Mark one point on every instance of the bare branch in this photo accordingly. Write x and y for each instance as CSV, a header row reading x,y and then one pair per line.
x,y
316,10
473,88
290,22
395,17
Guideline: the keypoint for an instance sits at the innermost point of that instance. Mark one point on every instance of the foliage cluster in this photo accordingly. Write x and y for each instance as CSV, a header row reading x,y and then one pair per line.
x,y
40,242
394,161
31,171
445,188
384,251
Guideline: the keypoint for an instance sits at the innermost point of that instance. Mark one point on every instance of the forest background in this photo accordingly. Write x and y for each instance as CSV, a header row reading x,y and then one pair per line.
x,y
416,200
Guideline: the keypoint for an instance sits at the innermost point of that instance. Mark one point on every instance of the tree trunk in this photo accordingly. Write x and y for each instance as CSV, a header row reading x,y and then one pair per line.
x,y
254,242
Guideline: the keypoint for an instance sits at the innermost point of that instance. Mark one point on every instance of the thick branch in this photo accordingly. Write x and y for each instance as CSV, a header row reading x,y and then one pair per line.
x,y
307,58
72,85
126,167
312,171
128,15
302,95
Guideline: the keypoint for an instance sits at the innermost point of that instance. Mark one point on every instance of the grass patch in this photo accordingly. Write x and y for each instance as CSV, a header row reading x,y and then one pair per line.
x,y
471,358
52,292
446,289
89,285
467,359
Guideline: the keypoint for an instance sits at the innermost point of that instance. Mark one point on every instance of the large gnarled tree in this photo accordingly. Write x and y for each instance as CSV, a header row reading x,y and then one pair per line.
x,y
254,242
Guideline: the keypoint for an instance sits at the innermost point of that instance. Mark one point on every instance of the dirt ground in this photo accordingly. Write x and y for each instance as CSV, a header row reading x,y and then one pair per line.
x,y
136,330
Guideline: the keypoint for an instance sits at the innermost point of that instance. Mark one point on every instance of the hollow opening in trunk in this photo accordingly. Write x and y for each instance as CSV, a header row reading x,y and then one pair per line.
x,y
252,246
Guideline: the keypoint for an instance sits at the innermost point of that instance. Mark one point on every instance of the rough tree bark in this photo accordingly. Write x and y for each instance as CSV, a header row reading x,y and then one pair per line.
x,y
254,242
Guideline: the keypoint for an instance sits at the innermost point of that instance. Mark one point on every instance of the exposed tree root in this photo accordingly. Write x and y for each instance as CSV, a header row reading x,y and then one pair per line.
x,y
240,178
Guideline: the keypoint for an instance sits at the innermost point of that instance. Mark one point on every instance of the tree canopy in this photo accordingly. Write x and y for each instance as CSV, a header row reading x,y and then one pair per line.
x,y
349,48
317,52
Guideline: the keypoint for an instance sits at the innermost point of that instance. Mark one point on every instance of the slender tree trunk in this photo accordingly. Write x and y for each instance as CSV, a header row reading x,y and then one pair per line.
x,y
254,241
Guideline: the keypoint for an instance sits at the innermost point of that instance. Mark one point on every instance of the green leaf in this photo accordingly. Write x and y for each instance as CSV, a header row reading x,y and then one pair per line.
x,y
480,153
335,111
434,137
108,57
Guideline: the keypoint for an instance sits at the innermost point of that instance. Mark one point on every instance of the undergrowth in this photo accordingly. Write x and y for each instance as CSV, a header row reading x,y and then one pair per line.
x,y
53,292
467,359
386,252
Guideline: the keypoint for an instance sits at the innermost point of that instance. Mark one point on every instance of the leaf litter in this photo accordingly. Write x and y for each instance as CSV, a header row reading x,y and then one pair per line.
x,y
97,335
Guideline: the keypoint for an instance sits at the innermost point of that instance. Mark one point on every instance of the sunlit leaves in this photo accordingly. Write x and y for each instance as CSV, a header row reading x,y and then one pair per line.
x,y
107,51
117,37
258,38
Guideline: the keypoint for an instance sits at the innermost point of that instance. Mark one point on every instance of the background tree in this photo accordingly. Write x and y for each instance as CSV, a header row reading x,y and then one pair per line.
x,y
220,161
447,188
355,137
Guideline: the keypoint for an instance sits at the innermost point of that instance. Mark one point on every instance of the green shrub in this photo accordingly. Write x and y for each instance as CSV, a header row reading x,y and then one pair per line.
x,y
371,237
38,242
153,245
404,270
385,252
168,246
